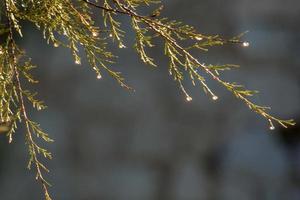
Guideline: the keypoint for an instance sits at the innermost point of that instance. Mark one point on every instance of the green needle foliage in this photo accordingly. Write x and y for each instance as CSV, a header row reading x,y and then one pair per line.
x,y
74,21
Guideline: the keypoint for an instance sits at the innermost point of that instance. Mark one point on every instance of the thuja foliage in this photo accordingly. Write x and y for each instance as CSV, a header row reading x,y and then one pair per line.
x,y
71,24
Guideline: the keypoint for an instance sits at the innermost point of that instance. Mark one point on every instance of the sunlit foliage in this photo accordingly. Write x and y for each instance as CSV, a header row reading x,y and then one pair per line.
x,y
71,24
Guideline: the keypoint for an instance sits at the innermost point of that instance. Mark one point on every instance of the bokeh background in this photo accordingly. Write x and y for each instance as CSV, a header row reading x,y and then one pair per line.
x,y
111,144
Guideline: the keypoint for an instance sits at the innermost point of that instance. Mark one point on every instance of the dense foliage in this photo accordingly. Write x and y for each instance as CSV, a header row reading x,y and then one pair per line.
x,y
71,24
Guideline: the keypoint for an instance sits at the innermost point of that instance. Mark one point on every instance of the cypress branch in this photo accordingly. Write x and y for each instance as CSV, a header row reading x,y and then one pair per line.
x,y
75,20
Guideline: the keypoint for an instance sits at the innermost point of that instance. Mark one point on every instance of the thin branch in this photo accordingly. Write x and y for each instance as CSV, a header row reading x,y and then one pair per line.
x,y
154,25
23,109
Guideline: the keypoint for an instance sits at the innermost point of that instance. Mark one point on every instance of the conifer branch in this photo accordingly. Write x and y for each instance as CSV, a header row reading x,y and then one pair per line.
x,y
12,53
73,20
175,51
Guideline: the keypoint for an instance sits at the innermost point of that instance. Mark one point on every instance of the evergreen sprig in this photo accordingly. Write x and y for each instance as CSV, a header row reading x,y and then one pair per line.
x,y
71,24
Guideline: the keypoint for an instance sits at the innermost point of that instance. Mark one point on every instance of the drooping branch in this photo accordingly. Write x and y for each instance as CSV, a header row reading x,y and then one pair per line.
x,y
12,55
74,22
191,63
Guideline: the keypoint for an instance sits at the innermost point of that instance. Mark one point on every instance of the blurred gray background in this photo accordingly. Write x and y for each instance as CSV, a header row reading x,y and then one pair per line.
x,y
111,144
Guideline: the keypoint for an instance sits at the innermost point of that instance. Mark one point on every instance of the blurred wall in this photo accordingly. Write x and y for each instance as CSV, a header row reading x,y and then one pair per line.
x,y
111,144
